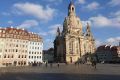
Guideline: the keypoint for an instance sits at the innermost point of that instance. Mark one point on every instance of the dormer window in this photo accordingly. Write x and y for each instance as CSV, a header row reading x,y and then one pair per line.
x,y
3,31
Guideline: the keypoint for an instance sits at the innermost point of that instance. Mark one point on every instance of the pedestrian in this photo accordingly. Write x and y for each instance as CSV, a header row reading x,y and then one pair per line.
x,y
51,64
58,64
46,64
78,64
40,64
75,63
66,63
93,61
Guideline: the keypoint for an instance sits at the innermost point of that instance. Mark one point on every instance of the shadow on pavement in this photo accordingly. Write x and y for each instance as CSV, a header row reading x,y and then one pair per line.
x,y
56,76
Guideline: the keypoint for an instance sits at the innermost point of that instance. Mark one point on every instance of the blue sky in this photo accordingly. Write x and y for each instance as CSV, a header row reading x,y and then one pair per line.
x,y
44,16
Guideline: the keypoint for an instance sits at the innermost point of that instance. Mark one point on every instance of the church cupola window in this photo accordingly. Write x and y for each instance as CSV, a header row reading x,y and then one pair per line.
x,y
72,8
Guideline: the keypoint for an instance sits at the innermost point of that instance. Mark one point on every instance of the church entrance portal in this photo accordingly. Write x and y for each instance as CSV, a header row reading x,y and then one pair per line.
x,y
70,59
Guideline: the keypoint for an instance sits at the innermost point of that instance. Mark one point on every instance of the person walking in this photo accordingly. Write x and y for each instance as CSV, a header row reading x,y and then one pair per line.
x,y
46,64
66,63
58,64
51,64
94,62
75,63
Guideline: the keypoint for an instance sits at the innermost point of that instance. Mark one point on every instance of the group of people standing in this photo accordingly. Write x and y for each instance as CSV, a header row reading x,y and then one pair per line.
x,y
92,61
87,60
51,64
93,64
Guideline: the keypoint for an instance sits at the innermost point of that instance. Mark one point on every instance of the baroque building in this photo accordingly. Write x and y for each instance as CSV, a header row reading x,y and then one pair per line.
x,y
71,43
19,47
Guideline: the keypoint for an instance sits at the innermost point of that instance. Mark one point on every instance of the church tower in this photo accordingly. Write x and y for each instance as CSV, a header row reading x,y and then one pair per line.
x,y
91,44
72,23
58,32
70,44
88,32
71,9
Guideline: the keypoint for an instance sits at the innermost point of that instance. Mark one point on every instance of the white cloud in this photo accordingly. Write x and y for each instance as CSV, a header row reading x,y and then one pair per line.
x,y
116,14
49,43
15,11
114,2
92,6
28,24
98,43
110,41
53,28
55,1
43,33
113,40
6,14
84,23
38,11
81,1
10,22
102,21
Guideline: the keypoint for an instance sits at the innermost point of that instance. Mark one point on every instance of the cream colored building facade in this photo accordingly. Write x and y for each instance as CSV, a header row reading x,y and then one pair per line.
x,y
35,49
14,45
71,44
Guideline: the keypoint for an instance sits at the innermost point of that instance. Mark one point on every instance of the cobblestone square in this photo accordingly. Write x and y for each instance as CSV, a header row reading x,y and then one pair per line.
x,y
64,72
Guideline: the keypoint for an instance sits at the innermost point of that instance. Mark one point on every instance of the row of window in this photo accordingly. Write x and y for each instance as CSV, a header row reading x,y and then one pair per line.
x,y
16,45
2,35
15,63
35,43
19,40
22,56
3,31
8,56
15,50
15,32
23,51
20,45
35,52
16,40
35,47
35,57
16,36
12,56
21,63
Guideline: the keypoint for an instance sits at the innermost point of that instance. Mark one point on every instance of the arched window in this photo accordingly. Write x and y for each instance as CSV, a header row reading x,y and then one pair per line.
x,y
5,56
77,47
19,56
12,56
71,43
16,45
8,56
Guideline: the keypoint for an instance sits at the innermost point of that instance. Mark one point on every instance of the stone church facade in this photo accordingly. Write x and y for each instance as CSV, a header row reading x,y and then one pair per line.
x,y
71,43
